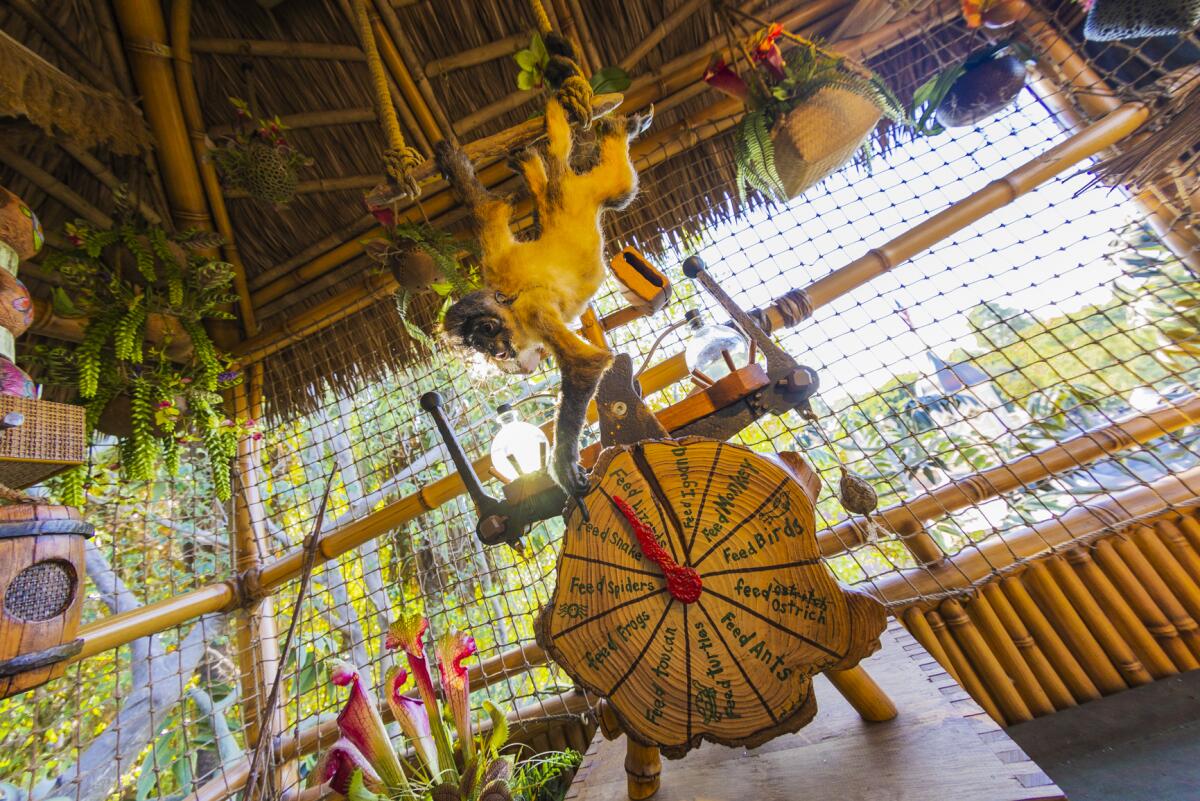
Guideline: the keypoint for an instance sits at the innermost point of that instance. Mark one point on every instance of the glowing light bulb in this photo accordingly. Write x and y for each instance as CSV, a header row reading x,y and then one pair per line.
x,y
519,448
707,341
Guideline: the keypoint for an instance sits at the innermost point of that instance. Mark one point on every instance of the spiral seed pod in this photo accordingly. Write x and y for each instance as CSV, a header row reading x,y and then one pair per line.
x,y
498,770
445,792
857,495
496,790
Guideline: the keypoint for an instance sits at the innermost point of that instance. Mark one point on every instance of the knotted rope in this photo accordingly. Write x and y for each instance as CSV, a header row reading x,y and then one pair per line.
x,y
564,72
399,160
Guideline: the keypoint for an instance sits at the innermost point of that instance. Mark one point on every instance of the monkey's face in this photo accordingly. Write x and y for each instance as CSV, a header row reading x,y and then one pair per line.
x,y
479,322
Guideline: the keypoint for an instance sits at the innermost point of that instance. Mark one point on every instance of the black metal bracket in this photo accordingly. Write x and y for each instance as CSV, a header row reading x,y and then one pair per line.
x,y
529,499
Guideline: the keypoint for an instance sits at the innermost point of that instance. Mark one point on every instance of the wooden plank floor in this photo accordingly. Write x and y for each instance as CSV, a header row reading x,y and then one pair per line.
x,y
941,747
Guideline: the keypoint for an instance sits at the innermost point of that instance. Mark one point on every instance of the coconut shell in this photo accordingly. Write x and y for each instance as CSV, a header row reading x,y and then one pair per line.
x,y
415,270
16,306
984,89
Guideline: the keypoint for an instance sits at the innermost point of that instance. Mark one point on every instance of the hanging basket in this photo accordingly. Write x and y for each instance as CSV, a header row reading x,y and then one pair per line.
x,y
821,135
1111,20
41,577
48,440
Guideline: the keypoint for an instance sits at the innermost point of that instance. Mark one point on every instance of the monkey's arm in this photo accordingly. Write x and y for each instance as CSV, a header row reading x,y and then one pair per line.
x,y
491,214
581,364
558,131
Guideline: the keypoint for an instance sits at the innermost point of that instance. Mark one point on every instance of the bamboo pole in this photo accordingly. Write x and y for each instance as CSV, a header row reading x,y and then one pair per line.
x,y
660,31
262,48
989,669
105,176
1139,599
83,66
398,52
1169,568
1065,665
1017,670
1120,614
1179,547
1071,627
189,102
1072,73
497,108
43,180
311,119
914,620
1000,553
1048,681
341,183
477,55
1190,527
967,677
1166,599
997,194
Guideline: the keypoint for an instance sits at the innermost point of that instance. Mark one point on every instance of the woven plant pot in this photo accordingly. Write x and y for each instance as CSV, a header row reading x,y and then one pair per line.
x,y
266,173
41,578
821,135
1111,20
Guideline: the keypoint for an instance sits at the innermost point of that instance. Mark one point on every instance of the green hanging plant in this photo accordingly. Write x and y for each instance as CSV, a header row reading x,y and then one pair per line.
x,y
258,158
534,59
779,84
127,280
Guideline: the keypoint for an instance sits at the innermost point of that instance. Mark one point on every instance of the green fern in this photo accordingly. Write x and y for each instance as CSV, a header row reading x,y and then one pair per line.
x,y
171,455
755,158
143,444
131,331
70,486
143,256
88,354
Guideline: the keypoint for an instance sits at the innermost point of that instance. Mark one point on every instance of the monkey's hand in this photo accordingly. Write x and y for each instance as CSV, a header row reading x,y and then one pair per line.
x,y
569,473
564,76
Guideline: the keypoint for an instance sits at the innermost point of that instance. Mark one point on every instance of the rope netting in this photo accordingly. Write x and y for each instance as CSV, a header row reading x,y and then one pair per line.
x,y
1060,313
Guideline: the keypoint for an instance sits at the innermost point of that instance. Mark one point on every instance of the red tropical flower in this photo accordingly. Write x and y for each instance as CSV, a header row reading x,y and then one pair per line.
x,y
721,76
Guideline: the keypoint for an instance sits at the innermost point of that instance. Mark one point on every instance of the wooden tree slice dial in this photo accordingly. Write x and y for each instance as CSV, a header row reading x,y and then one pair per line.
x,y
733,666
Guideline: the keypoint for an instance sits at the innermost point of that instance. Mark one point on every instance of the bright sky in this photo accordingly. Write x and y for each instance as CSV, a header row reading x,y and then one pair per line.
x,y
1043,254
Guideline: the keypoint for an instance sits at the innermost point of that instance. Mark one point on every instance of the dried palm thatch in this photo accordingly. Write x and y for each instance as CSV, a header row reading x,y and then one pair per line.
x,y
62,106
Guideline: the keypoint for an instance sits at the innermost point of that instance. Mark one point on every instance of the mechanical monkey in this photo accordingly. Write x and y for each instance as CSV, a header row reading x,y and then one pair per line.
x,y
535,290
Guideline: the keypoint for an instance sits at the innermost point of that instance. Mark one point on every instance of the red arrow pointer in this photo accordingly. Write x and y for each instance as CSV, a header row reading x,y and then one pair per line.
x,y
682,582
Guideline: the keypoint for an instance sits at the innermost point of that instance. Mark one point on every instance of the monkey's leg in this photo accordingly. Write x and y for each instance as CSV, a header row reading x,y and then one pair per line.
x,y
558,131
581,364
489,212
613,181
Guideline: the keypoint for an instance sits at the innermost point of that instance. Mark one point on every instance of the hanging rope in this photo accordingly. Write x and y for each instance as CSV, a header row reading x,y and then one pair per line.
x,y
399,159
563,72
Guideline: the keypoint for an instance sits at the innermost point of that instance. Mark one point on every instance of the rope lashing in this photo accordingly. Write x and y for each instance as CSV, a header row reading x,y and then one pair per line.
x,y
399,160
563,72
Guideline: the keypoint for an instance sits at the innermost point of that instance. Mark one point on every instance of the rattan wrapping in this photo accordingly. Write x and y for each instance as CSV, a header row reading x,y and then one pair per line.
x,y
821,135
49,441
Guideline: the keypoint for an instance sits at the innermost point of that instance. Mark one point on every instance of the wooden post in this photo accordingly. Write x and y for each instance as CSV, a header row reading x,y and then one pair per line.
x,y
1065,665
1138,598
1166,599
1073,630
257,632
643,769
962,668
1119,613
1049,681
867,697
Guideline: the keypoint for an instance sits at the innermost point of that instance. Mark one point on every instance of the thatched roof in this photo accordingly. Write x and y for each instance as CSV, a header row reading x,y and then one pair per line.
x,y
301,60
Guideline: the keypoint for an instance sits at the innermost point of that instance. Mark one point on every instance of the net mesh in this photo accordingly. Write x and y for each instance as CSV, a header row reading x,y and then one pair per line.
x,y
1060,313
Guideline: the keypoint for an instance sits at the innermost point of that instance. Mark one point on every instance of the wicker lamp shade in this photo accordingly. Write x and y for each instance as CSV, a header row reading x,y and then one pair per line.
x,y
734,665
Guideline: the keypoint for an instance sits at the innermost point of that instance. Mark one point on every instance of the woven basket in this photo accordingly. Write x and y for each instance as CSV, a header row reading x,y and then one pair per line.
x,y
49,441
821,135
1112,20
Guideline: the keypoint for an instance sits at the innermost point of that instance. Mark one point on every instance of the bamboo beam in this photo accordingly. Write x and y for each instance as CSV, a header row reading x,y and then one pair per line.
x,y
189,102
1163,596
262,48
1048,681
999,193
311,119
983,659
1025,471
364,226
104,175
968,678
478,55
342,183
83,66
1147,611
398,52
981,612
1065,665
660,32
1003,551
43,180
684,74
1179,547
71,329
915,621
497,108
1168,567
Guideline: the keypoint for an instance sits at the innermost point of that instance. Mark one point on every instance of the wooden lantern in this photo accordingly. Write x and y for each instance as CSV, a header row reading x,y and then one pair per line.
x,y
642,284
731,662
41,587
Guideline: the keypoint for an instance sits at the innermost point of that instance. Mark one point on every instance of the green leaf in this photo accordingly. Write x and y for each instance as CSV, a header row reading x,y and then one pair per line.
x,y
610,79
539,49
62,303
358,791
526,60
526,80
499,735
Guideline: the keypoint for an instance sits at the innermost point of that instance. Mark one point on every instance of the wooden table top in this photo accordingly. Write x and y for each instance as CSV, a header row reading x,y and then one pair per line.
x,y
941,747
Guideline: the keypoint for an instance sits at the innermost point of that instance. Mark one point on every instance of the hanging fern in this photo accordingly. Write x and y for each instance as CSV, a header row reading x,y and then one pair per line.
x,y
88,354
131,331
755,156
143,444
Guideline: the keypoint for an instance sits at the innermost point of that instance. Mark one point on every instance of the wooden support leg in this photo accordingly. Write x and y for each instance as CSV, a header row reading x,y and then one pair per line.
x,y
867,697
643,766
